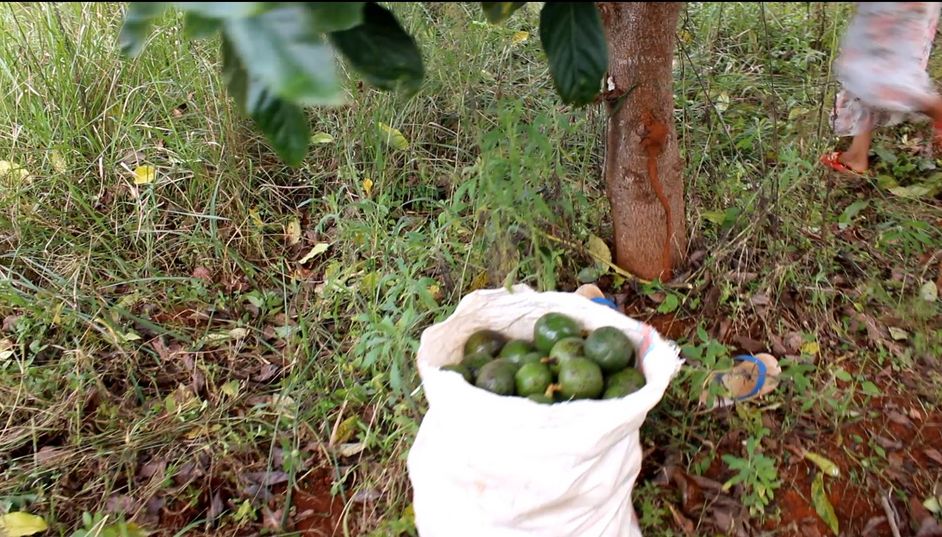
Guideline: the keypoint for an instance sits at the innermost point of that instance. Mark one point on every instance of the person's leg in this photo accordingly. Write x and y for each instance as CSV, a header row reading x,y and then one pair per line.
x,y
857,155
934,110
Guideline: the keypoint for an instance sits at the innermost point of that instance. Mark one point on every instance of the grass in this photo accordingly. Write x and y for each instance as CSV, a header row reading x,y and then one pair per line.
x,y
165,351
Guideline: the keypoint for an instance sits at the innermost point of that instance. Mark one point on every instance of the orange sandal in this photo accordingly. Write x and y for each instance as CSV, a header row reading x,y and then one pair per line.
x,y
833,161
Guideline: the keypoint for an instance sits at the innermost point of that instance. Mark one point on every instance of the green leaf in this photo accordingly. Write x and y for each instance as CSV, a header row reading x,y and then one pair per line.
x,y
842,374
915,192
393,137
196,26
19,524
224,10
574,42
381,51
283,124
886,181
850,212
870,388
497,12
670,304
137,24
335,16
322,138
717,217
885,155
281,49
822,504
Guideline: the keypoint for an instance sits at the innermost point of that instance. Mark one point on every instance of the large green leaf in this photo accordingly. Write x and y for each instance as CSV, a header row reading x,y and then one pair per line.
x,y
137,24
225,10
497,12
336,16
382,51
574,42
281,49
284,124
196,26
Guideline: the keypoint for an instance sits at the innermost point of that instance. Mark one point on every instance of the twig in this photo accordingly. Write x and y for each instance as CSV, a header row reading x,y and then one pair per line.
x,y
890,514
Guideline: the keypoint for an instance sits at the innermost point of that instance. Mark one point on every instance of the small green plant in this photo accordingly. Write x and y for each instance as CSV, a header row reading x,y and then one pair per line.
x,y
756,473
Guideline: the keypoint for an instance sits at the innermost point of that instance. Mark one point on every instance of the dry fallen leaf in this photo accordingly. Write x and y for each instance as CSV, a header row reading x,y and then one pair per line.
x,y
57,161
520,37
317,250
350,449
293,232
810,347
823,505
19,524
599,249
393,136
321,138
11,172
929,292
202,273
345,430
898,333
934,455
144,175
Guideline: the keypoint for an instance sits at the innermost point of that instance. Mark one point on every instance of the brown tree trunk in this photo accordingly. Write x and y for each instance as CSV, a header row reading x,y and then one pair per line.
x,y
640,53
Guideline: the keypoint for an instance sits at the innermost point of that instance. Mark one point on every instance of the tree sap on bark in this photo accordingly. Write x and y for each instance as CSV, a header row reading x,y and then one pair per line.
x,y
642,159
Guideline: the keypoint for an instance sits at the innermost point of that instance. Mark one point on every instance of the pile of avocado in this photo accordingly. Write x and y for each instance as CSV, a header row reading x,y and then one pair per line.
x,y
562,363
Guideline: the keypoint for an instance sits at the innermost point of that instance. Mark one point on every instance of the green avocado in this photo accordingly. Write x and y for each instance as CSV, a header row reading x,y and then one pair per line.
x,y
553,327
515,347
580,378
533,378
540,398
565,349
487,341
623,383
474,362
462,369
497,376
520,360
610,348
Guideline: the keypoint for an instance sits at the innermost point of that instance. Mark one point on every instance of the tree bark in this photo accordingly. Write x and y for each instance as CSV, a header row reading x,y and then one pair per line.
x,y
642,161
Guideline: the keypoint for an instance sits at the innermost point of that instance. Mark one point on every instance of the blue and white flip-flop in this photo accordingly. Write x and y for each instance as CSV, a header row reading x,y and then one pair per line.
x,y
753,376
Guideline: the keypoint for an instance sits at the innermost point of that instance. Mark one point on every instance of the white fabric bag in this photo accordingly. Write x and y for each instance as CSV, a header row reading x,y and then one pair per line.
x,y
483,465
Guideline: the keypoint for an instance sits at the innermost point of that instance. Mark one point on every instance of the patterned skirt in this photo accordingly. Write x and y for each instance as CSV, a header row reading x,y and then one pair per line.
x,y
882,66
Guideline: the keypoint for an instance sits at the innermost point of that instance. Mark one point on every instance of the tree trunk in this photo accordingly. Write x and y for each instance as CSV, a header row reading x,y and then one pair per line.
x,y
642,160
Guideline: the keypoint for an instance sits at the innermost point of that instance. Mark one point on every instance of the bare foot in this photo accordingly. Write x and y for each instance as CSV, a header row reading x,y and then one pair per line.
x,y
858,164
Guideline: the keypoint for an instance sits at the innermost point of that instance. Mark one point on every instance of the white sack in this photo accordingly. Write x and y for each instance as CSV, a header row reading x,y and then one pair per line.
x,y
489,466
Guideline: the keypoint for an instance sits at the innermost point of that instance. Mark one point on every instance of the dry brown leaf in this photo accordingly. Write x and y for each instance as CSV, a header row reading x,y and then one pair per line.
x,y
933,455
216,507
120,504
266,479
154,467
271,519
793,341
898,418
760,300
293,232
202,273
9,322
266,373
683,522
49,454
